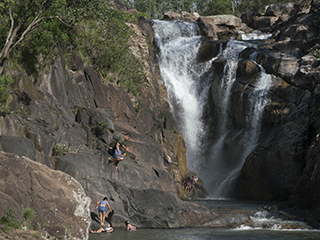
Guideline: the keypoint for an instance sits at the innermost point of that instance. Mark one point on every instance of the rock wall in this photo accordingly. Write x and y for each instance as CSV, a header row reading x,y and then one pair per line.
x,y
284,165
55,121
59,203
62,108
289,131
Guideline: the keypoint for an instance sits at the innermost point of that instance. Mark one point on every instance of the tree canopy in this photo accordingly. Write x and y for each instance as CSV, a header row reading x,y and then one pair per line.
x,y
31,31
156,8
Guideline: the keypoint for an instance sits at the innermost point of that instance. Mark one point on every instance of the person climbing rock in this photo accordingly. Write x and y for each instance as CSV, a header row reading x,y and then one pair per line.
x,y
121,141
102,207
118,149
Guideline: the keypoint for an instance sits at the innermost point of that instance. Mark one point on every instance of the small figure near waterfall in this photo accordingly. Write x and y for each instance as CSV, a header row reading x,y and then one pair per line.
x,y
191,183
188,185
195,183
109,228
102,207
130,227
118,149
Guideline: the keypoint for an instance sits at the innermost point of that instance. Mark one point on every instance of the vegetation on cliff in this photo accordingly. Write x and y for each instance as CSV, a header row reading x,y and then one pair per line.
x,y
31,31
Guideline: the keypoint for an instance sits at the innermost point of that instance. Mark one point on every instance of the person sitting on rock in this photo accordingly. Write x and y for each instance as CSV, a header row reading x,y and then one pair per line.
x,y
109,228
185,184
190,186
195,179
130,227
102,206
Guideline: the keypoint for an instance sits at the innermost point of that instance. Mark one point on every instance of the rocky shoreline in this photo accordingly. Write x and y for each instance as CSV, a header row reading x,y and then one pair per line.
x,y
63,108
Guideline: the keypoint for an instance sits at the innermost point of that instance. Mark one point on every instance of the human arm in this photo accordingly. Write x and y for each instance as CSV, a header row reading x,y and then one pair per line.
x,y
118,149
98,203
125,148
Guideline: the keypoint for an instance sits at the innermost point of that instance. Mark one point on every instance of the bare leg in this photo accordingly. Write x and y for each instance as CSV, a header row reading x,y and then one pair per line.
x,y
103,217
117,160
98,231
100,215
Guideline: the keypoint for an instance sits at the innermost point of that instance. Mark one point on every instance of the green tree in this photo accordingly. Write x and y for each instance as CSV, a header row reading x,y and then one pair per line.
x,y
18,18
219,7
34,29
156,8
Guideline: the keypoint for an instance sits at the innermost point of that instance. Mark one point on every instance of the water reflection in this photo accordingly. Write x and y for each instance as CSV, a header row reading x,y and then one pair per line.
x,y
240,233
208,234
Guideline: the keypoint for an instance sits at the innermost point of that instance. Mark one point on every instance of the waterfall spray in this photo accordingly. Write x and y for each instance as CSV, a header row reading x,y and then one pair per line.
x,y
179,43
188,86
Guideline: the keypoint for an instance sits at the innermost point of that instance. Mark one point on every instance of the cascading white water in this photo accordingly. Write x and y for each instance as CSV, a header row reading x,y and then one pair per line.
x,y
179,43
256,102
188,84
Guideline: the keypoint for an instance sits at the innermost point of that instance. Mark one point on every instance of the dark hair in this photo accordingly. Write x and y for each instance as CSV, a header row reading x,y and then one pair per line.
x,y
127,222
128,134
105,198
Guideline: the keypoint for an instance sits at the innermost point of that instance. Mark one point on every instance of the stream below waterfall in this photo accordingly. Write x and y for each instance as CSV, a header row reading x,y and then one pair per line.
x,y
257,231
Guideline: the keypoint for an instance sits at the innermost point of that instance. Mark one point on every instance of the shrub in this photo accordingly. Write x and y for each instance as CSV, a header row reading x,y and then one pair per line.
x,y
28,214
99,129
59,150
315,52
9,221
4,94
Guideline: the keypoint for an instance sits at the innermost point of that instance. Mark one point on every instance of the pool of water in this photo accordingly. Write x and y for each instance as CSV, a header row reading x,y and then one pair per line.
x,y
208,233
223,203
255,232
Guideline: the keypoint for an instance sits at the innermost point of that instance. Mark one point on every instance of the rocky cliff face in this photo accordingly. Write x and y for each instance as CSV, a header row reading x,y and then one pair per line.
x,y
289,134
59,202
284,164
66,118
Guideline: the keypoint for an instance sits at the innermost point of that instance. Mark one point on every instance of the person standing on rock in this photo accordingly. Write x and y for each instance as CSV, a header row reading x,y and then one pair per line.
x,y
118,149
102,207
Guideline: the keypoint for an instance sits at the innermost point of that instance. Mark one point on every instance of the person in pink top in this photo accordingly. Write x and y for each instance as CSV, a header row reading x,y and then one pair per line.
x,y
129,226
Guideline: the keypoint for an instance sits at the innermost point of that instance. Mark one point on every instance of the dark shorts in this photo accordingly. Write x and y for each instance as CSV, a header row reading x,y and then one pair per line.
x,y
111,151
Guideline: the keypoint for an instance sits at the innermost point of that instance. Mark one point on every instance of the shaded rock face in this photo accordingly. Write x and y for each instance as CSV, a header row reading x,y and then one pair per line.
x,y
56,120
283,165
59,202
273,14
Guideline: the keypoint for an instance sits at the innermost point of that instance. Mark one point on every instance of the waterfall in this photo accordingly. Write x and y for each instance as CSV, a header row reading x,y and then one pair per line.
x,y
179,43
188,86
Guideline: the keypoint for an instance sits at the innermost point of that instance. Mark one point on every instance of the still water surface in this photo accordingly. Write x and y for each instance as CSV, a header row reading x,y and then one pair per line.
x,y
241,233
